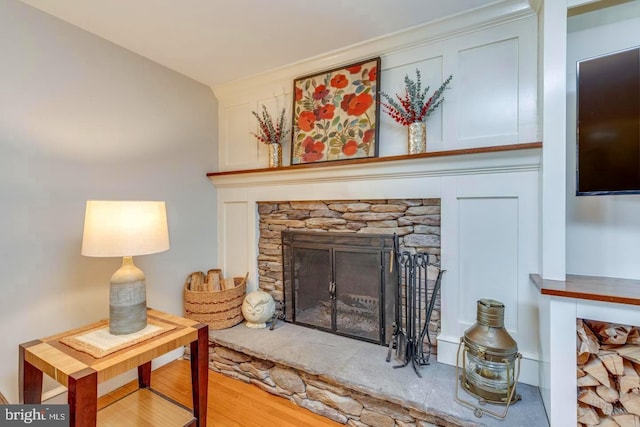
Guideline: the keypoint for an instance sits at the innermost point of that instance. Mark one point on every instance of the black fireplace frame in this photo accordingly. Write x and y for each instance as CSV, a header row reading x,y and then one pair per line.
x,y
383,244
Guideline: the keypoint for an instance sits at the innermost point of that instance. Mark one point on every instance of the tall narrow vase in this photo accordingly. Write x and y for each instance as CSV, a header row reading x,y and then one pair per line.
x,y
275,155
417,138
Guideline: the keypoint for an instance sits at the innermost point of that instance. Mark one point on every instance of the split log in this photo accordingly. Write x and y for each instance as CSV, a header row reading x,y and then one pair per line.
x,y
213,280
612,361
608,422
629,379
228,283
587,342
587,415
631,402
197,280
630,352
609,333
609,395
634,336
596,368
627,420
591,398
588,381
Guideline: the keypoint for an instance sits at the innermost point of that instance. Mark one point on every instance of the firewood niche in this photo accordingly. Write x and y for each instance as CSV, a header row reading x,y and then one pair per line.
x,y
608,357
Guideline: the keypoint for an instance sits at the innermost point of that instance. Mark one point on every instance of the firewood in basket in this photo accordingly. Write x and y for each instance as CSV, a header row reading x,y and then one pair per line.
x,y
213,277
596,368
587,415
589,397
228,283
197,280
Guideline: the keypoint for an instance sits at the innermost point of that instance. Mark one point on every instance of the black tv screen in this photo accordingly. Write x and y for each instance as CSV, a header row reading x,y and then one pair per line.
x,y
608,131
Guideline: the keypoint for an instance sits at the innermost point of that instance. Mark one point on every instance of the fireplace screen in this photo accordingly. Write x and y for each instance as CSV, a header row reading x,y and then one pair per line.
x,y
340,283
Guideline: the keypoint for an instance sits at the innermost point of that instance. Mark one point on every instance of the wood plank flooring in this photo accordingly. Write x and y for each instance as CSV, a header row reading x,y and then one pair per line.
x,y
231,403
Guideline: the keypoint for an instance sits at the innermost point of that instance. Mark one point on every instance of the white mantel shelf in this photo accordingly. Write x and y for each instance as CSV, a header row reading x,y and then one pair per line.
x,y
505,158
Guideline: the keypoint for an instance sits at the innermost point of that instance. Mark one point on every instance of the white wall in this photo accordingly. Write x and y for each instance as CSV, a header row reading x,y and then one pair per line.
x,y
490,203
602,231
492,99
81,118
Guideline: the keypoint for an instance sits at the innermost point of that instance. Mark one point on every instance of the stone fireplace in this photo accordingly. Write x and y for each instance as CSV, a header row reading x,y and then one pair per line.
x,y
415,221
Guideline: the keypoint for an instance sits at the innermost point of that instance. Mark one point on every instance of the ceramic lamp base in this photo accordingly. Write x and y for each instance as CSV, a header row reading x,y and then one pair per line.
x,y
127,299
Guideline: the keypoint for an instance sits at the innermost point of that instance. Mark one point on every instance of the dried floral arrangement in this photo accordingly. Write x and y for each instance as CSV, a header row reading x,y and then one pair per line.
x,y
270,132
413,106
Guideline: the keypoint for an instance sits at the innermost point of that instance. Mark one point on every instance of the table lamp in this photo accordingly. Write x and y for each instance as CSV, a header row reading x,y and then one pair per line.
x,y
126,229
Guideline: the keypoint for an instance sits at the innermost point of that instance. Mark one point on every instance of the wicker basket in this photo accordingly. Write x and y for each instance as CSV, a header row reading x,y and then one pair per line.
x,y
219,309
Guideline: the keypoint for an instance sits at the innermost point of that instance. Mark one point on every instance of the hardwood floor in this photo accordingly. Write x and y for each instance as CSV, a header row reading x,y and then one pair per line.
x,y
232,403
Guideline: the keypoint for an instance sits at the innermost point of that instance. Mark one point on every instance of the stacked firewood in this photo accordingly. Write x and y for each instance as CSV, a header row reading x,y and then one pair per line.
x,y
210,282
608,374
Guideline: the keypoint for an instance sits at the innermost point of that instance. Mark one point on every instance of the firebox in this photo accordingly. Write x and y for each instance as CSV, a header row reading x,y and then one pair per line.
x,y
340,283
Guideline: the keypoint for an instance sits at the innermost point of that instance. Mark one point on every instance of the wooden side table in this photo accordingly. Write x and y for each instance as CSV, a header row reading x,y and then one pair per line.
x,y
81,373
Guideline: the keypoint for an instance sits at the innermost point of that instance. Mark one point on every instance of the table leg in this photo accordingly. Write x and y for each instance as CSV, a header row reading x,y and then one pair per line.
x,y
29,378
144,375
200,374
83,398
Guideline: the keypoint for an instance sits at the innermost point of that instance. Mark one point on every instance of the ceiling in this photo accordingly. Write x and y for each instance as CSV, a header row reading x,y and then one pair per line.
x,y
216,41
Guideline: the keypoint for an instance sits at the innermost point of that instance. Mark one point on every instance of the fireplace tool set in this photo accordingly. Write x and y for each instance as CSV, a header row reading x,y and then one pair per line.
x,y
413,309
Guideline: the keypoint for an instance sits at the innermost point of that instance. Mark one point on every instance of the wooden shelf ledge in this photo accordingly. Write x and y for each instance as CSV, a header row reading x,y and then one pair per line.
x,y
388,159
605,289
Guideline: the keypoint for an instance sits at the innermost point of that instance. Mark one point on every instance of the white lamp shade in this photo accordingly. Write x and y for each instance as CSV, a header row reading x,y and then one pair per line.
x,y
124,228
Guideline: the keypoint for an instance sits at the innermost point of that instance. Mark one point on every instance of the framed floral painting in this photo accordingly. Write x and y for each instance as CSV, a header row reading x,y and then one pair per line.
x,y
335,114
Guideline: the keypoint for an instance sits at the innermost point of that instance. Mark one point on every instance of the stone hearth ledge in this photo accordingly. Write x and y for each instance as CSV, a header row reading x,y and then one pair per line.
x,y
361,367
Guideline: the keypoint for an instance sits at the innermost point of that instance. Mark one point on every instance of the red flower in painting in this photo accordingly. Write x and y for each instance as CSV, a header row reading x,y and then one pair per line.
x,y
360,104
324,112
354,69
313,151
306,121
320,92
350,148
298,93
339,81
346,100
368,135
372,74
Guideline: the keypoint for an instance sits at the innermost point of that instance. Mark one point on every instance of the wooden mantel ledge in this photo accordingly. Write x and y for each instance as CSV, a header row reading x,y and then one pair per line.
x,y
465,151
605,289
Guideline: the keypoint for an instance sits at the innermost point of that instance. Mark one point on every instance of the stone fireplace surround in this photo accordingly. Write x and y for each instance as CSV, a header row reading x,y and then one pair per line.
x,y
415,221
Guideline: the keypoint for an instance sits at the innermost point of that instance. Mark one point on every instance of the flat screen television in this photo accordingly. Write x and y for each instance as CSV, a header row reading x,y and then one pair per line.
x,y
608,128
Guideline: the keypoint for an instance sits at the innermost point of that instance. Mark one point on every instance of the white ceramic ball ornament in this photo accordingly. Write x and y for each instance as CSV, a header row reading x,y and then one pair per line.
x,y
258,308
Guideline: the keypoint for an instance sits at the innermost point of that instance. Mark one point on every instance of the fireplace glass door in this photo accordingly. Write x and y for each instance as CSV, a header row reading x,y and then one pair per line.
x,y
313,297
339,283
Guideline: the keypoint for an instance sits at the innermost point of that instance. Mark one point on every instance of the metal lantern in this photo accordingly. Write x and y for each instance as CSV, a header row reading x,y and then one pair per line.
x,y
489,357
